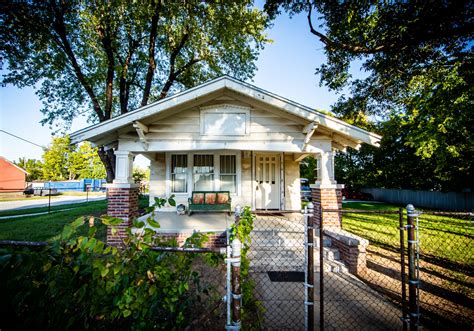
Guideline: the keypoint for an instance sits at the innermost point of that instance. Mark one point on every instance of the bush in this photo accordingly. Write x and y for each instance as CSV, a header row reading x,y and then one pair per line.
x,y
79,282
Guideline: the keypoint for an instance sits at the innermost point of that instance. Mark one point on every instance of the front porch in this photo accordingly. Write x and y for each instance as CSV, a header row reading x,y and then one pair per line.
x,y
203,222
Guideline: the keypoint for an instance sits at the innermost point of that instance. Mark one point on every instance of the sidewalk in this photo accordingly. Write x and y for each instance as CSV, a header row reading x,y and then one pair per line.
x,y
59,200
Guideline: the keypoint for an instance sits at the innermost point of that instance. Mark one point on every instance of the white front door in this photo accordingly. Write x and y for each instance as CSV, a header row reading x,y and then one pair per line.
x,y
267,178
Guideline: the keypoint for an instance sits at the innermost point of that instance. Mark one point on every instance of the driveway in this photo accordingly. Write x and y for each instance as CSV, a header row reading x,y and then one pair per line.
x,y
58,200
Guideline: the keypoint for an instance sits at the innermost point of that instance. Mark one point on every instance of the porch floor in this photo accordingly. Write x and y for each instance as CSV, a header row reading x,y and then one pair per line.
x,y
170,222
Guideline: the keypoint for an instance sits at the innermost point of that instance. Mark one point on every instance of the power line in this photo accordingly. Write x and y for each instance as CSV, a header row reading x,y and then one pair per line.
x,y
11,134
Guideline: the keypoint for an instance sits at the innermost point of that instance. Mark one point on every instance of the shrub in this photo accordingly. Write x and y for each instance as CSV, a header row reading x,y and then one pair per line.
x,y
79,282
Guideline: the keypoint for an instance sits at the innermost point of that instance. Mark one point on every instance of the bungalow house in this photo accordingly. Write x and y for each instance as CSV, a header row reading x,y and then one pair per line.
x,y
224,135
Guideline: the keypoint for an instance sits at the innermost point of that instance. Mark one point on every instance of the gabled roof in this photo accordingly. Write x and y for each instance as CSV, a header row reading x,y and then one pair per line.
x,y
14,165
96,131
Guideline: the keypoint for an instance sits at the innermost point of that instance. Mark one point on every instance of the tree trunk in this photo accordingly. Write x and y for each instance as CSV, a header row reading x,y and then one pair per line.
x,y
108,159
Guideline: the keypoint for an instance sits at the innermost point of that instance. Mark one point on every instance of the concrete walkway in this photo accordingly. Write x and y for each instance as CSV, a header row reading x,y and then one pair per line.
x,y
57,200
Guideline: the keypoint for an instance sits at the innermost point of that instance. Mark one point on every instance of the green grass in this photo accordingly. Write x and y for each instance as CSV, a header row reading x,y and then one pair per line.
x,y
47,227
444,240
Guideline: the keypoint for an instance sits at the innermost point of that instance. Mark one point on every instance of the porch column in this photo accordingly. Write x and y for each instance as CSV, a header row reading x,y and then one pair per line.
x,y
122,197
326,193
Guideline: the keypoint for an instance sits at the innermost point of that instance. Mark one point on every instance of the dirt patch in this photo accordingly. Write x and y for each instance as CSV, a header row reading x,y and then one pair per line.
x,y
446,296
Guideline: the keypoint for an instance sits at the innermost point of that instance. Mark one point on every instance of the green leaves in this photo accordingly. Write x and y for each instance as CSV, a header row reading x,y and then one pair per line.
x,y
109,220
153,223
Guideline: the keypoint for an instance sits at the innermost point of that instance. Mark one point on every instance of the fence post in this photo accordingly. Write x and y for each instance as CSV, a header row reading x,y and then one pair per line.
x,y
321,268
413,281
402,271
236,290
49,199
309,285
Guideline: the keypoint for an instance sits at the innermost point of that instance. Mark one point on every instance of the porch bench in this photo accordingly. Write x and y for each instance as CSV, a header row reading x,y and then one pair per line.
x,y
209,201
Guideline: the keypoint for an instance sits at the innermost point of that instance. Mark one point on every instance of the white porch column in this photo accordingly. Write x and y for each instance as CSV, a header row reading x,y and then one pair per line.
x,y
123,167
326,193
326,169
122,197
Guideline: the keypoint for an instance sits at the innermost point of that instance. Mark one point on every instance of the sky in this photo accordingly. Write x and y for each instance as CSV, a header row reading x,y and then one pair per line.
x,y
285,67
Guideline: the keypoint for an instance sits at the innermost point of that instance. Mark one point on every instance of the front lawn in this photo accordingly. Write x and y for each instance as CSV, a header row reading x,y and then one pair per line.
x,y
47,227
443,239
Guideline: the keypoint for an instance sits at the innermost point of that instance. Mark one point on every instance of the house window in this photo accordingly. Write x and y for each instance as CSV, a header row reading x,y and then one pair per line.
x,y
203,172
228,173
179,173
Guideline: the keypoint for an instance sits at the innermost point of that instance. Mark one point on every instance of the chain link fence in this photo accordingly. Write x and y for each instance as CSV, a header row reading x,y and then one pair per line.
x,y
42,200
446,270
360,277
444,265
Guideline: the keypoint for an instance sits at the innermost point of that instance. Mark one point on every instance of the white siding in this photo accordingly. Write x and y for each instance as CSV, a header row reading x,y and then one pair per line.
x,y
264,126
292,183
157,177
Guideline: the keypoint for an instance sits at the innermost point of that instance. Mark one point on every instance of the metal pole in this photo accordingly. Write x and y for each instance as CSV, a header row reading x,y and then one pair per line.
x,y
321,270
49,199
228,276
309,272
236,290
402,271
412,279
87,193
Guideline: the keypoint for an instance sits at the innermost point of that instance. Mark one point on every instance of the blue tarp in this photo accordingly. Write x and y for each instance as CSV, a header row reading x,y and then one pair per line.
x,y
78,185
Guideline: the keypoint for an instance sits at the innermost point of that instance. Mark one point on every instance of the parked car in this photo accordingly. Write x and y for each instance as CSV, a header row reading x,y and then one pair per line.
x,y
305,190
356,195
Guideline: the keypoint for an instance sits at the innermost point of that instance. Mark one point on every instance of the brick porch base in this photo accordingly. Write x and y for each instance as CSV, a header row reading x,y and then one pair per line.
x,y
122,203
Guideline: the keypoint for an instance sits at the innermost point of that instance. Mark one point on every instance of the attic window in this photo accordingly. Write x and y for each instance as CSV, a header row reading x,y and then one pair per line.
x,y
225,120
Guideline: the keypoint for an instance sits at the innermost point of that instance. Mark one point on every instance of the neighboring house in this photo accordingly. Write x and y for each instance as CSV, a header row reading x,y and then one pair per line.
x,y
224,135
12,177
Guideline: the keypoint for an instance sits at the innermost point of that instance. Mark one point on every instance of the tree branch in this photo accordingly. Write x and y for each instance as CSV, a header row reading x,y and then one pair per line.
x,y
357,49
151,53
124,85
105,37
173,74
60,28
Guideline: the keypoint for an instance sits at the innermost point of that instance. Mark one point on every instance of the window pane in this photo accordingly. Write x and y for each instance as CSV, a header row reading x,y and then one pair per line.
x,y
178,183
203,172
227,164
228,173
179,169
203,182
179,163
228,183
203,164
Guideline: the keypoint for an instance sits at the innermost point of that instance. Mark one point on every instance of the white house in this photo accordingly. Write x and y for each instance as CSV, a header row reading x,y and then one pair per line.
x,y
225,135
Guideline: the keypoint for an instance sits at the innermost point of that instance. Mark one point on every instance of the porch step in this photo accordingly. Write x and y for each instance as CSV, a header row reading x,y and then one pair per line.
x,y
288,264
262,260
267,238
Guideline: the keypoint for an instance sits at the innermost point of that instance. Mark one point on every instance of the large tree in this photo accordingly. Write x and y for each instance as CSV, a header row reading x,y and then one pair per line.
x,y
63,161
33,167
418,63
106,58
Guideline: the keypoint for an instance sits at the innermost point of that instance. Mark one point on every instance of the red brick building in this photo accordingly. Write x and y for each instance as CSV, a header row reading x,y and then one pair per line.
x,y
12,177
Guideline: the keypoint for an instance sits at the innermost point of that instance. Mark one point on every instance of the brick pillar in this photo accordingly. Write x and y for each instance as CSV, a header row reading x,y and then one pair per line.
x,y
327,197
122,203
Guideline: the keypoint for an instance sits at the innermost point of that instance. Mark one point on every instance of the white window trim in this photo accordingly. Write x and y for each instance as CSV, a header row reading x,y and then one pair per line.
x,y
224,109
217,184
